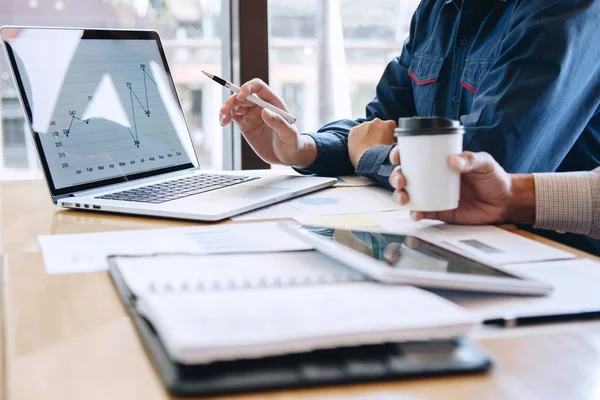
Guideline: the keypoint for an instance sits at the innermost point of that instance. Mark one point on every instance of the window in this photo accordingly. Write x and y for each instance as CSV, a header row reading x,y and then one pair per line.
x,y
327,56
191,31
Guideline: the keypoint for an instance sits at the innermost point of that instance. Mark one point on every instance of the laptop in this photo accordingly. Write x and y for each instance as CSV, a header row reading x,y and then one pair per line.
x,y
110,132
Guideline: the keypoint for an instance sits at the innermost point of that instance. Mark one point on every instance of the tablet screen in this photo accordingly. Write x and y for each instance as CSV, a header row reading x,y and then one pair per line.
x,y
405,252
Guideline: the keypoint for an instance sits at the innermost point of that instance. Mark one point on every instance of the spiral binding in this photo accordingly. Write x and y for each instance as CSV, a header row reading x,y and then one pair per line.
x,y
262,283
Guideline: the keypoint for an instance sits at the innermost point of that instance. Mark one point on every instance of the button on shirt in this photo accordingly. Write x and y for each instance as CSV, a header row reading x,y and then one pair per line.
x,y
522,76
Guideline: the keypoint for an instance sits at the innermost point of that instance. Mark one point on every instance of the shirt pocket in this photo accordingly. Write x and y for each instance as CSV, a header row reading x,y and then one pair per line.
x,y
424,70
473,74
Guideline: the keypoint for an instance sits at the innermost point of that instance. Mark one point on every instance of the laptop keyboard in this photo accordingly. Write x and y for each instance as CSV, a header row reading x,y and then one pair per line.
x,y
177,189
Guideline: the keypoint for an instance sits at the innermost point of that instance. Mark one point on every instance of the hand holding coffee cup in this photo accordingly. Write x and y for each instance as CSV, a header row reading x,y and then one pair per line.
x,y
424,145
486,191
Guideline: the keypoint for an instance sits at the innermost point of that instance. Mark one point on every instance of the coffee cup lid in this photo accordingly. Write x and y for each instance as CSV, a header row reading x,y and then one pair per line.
x,y
417,126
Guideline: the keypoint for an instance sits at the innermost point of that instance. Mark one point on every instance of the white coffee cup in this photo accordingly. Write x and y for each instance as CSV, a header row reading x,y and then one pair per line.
x,y
425,144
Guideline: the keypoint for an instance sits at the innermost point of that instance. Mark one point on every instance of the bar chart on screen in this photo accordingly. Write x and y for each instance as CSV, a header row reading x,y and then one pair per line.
x,y
110,118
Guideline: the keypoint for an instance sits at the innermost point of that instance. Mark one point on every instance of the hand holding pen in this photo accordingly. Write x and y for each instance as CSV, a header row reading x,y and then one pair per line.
x,y
271,136
253,97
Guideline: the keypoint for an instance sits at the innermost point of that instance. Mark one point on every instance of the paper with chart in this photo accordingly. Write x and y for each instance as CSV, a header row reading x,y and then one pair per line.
x,y
489,244
87,252
108,111
333,201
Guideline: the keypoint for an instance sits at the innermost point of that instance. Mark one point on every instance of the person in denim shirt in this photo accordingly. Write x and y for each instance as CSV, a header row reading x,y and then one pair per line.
x,y
523,76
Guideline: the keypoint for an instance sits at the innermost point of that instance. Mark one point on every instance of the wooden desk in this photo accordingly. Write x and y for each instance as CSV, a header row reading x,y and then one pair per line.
x,y
68,337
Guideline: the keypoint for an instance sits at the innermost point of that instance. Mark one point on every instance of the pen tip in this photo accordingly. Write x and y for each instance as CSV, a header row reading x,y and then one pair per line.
x,y
207,74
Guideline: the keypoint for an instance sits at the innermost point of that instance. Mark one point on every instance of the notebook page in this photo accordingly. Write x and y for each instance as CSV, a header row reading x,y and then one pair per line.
x,y
167,273
202,327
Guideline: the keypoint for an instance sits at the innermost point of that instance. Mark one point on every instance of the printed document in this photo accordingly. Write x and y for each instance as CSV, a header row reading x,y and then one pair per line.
x,y
575,291
333,201
87,252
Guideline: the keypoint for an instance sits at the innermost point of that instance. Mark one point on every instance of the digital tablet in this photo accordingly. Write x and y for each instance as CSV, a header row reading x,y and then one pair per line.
x,y
405,259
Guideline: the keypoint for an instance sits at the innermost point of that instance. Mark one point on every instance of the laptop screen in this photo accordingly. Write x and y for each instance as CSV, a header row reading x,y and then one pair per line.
x,y
101,104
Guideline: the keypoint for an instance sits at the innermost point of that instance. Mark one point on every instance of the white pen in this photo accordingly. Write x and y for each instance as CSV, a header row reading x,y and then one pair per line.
x,y
253,98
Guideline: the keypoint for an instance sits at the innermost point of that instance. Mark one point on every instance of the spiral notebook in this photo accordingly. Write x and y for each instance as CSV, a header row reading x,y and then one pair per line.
x,y
227,307
227,272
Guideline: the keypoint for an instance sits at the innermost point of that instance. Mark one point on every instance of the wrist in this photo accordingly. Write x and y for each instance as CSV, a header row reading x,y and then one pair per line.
x,y
355,157
521,204
307,152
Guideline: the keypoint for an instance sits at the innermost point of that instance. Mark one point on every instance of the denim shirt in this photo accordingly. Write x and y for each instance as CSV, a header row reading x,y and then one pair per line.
x,y
523,76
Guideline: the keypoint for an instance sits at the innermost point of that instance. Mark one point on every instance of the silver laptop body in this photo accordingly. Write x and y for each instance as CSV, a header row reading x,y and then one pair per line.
x,y
110,132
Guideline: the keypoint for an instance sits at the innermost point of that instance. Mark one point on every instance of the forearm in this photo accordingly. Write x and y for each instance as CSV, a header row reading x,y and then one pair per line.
x,y
521,205
325,152
307,152
375,164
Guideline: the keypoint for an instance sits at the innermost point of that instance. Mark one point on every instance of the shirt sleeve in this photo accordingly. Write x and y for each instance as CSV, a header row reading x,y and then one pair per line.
x,y
539,95
394,99
568,202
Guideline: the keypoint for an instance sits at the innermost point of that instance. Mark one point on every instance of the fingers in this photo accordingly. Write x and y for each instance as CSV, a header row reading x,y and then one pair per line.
x,y
400,197
261,89
391,123
231,108
239,105
397,179
237,118
398,182
480,163
419,215
388,123
282,128
395,156
240,110
448,216
387,127
227,110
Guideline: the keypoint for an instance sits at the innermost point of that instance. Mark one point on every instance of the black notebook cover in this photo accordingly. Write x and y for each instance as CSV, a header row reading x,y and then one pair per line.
x,y
323,367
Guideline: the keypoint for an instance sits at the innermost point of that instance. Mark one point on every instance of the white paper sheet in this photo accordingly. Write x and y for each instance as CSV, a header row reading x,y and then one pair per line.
x,y
333,201
354,181
575,285
490,244
87,252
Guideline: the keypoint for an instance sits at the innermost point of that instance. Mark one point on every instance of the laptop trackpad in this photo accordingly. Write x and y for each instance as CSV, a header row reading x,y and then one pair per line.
x,y
256,192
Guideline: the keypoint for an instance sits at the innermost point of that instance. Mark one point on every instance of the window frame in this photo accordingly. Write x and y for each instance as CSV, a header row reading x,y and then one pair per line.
x,y
248,58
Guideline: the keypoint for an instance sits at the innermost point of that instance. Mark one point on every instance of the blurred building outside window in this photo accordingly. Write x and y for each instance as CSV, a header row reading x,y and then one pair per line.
x,y
326,57
191,35
335,51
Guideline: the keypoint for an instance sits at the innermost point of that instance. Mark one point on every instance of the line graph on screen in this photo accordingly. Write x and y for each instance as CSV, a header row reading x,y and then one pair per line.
x,y
110,117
